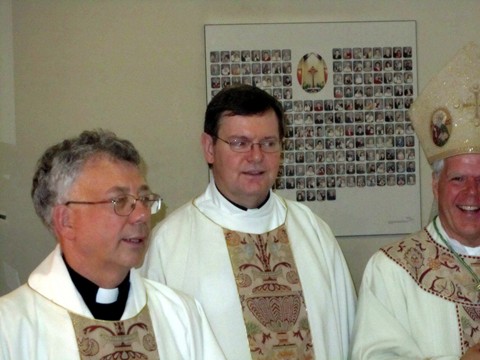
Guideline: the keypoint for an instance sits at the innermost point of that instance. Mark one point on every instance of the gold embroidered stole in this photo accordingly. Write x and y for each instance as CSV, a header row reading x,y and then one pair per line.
x,y
435,270
132,338
271,295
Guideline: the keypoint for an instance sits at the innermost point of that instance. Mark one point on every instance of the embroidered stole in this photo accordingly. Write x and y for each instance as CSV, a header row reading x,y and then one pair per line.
x,y
132,338
435,270
271,295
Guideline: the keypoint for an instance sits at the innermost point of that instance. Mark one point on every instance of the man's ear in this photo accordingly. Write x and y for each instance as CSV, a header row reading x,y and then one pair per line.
x,y
207,146
62,222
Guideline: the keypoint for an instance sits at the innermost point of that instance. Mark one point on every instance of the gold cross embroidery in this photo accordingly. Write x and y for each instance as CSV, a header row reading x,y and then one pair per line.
x,y
475,89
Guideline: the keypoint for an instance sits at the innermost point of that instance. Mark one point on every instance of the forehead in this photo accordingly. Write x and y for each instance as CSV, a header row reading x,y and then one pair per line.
x,y
257,124
103,173
469,163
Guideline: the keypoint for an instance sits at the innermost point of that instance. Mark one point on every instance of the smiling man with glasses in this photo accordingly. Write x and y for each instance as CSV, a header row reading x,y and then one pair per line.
x,y
86,300
254,260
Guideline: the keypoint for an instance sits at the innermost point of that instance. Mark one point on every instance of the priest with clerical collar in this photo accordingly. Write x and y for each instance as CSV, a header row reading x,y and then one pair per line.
x,y
420,297
86,300
268,272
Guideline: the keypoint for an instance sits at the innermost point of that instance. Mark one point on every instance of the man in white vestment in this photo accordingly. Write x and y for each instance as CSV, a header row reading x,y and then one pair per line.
x,y
85,300
268,272
420,297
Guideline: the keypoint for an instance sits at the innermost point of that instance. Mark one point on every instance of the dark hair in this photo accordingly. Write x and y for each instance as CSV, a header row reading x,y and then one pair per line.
x,y
60,165
240,100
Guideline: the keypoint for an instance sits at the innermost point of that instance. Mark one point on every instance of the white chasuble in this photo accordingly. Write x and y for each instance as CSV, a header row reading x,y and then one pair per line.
x,y
270,294
123,339
436,271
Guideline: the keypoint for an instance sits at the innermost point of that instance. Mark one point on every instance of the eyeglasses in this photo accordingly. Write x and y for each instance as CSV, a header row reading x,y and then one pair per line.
x,y
125,204
242,145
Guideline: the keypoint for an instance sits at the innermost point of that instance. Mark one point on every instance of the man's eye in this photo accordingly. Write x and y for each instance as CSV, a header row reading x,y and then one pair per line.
x,y
146,199
121,201
239,142
268,143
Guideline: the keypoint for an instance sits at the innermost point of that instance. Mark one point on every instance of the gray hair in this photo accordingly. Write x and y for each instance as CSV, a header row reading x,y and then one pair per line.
x,y
437,167
60,165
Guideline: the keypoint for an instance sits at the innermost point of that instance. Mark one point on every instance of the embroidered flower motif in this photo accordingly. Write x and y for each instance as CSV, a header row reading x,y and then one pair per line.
x,y
232,238
88,347
414,258
282,236
434,264
292,277
149,342
446,258
243,280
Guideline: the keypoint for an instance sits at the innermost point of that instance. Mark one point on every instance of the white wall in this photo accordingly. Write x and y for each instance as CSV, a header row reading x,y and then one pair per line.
x,y
137,67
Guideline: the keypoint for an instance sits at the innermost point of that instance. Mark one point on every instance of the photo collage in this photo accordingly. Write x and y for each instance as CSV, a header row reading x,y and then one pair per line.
x,y
358,135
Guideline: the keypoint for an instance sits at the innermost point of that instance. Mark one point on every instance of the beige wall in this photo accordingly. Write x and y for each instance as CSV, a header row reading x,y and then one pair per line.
x,y
137,67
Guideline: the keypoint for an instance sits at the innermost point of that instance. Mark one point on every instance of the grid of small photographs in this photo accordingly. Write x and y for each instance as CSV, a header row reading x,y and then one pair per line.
x,y
358,136
269,69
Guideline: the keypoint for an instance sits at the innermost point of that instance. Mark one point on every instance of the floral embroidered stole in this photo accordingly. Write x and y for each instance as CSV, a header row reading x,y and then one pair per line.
x,y
271,295
124,339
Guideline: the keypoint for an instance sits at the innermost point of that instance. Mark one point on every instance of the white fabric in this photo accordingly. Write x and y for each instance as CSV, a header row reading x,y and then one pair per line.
x,y
396,319
34,320
106,296
255,221
455,244
188,252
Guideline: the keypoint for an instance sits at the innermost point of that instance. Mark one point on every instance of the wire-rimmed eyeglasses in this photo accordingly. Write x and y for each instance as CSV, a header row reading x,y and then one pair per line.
x,y
125,204
241,144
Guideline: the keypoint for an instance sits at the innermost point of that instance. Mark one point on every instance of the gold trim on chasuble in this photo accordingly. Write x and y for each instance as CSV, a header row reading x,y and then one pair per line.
x,y
132,338
271,295
435,270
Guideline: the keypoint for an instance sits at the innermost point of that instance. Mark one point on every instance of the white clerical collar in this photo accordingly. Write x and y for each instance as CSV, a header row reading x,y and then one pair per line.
x,y
107,296
456,245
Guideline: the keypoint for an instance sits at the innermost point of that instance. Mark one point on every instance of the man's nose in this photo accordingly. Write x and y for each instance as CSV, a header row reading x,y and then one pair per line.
x,y
256,150
472,185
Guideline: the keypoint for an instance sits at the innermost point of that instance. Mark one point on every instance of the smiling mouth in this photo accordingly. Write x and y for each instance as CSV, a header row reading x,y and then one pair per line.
x,y
469,208
254,172
134,240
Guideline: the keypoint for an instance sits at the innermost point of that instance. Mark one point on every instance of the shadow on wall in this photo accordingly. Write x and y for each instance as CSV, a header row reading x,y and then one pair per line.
x,y
9,279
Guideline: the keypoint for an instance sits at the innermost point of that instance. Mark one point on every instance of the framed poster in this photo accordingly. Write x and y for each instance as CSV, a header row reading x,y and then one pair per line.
x,y
350,153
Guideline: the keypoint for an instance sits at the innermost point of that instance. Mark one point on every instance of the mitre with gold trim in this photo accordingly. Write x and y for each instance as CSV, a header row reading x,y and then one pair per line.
x,y
446,115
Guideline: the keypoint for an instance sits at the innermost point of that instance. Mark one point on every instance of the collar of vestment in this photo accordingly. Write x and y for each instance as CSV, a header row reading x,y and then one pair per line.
x,y
241,207
256,221
456,245
434,267
89,291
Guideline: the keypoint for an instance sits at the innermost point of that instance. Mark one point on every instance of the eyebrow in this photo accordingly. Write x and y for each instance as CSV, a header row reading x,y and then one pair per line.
x,y
126,190
250,139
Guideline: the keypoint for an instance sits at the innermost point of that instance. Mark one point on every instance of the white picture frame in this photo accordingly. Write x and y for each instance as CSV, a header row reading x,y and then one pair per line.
x,y
339,82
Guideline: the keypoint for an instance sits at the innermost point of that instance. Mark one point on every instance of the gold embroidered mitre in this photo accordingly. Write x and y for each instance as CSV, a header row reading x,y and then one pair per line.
x,y
446,115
